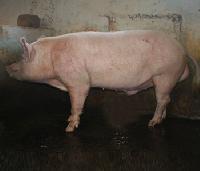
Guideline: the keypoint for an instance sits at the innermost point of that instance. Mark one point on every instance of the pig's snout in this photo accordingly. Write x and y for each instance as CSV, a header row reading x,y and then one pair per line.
x,y
12,69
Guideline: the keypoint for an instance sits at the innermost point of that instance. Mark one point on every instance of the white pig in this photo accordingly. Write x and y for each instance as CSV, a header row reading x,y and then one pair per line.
x,y
128,61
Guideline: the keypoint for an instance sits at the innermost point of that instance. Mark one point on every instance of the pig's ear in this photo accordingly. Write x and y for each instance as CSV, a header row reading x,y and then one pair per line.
x,y
24,44
26,47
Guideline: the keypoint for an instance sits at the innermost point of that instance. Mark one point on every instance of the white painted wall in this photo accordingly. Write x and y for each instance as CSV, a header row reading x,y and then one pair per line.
x,y
69,15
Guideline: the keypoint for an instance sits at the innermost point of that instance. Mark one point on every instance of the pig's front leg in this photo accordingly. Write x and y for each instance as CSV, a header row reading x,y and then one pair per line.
x,y
77,98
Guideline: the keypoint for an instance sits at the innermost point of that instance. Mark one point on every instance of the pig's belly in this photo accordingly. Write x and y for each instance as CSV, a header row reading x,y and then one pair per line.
x,y
126,81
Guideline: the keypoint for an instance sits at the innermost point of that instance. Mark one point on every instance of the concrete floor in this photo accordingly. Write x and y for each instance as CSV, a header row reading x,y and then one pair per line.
x,y
32,136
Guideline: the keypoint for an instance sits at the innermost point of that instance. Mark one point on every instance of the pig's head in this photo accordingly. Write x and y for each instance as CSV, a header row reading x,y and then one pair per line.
x,y
35,64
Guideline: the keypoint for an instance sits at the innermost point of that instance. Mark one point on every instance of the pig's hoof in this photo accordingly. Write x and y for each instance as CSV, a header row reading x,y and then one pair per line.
x,y
69,129
154,122
71,126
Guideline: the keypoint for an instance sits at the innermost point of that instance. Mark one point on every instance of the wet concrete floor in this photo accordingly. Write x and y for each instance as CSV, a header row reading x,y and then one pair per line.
x,y
32,137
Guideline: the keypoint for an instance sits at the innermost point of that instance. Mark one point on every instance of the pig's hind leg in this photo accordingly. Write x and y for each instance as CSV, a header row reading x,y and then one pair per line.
x,y
77,98
163,86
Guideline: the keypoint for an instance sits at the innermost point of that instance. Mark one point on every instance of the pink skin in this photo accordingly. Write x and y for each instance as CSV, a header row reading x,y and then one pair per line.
x,y
130,61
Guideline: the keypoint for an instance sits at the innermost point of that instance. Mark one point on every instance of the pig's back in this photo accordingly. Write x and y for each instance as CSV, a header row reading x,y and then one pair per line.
x,y
124,59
